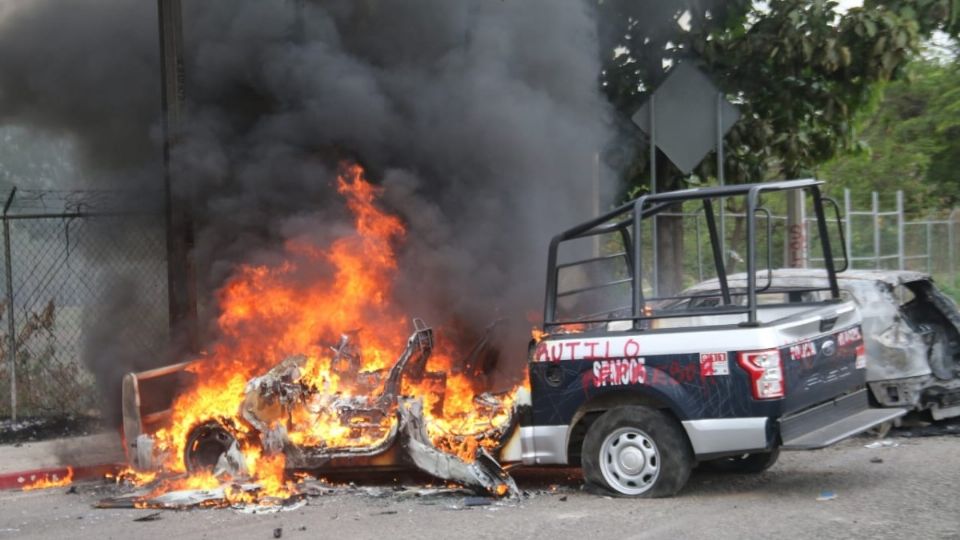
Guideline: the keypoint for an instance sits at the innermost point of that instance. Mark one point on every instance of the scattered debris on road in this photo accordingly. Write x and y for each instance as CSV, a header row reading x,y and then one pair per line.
x,y
884,443
929,429
827,495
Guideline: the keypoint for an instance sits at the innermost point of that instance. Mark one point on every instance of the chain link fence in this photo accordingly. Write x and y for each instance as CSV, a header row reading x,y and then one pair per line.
x,y
884,237
81,272
880,236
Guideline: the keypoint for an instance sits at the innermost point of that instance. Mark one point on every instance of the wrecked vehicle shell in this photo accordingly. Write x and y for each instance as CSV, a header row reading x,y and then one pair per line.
x,y
911,331
395,423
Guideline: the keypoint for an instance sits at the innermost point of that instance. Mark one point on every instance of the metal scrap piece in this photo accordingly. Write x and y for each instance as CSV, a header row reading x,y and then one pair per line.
x,y
411,363
231,463
216,497
484,473
187,498
488,401
347,357
143,459
268,396
274,440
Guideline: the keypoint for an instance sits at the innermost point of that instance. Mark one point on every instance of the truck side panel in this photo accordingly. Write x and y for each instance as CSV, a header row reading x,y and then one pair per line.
x,y
708,391
680,381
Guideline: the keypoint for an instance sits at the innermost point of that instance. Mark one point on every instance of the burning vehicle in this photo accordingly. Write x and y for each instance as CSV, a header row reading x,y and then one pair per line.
x,y
911,331
375,425
316,371
635,394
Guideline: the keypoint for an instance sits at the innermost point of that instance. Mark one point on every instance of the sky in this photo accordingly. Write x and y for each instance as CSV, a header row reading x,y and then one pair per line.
x,y
847,4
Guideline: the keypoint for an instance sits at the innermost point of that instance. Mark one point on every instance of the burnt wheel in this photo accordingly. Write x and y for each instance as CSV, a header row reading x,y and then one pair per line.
x,y
205,443
636,452
745,464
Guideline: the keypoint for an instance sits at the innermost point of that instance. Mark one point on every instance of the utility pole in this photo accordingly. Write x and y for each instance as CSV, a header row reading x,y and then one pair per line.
x,y
181,273
796,248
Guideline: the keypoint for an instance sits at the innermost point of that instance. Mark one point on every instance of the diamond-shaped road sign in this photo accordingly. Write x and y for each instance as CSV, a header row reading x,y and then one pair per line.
x,y
685,116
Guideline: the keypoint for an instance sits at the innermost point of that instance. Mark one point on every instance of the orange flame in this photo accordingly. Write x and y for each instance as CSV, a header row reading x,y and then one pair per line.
x,y
50,481
537,334
301,306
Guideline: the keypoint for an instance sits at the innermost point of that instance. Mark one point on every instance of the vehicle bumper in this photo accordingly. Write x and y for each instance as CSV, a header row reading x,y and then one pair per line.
x,y
832,422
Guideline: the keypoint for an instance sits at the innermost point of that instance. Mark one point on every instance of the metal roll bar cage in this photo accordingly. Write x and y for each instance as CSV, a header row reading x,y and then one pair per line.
x,y
627,221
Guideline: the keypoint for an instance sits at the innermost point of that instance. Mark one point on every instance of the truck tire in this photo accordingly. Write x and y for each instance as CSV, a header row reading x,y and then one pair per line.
x,y
636,452
744,464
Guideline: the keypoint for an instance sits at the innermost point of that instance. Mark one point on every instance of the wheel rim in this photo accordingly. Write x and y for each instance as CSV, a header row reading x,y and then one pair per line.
x,y
630,461
205,444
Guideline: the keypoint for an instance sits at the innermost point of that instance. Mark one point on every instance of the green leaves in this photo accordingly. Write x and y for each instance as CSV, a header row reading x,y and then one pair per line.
x,y
814,74
803,72
930,15
911,138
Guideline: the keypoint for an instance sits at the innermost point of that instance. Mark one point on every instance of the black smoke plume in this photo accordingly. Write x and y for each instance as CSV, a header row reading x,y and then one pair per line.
x,y
481,119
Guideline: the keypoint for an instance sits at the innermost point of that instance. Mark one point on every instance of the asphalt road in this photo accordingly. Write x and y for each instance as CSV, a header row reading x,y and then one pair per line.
x,y
914,492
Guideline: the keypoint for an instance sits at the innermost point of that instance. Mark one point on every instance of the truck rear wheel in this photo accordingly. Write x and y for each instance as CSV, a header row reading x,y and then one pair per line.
x,y
636,452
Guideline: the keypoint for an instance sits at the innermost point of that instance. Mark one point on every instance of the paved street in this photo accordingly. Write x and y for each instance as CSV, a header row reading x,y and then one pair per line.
x,y
913,492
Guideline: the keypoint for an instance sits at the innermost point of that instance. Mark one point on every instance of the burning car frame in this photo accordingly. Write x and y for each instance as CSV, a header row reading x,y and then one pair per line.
x,y
315,371
386,428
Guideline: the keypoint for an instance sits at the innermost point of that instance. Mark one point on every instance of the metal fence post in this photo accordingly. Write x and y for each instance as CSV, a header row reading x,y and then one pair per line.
x,y
696,221
900,228
876,229
950,247
11,327
849,224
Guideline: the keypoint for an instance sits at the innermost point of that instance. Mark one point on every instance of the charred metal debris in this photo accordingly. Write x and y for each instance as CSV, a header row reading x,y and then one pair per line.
x,y
377,411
